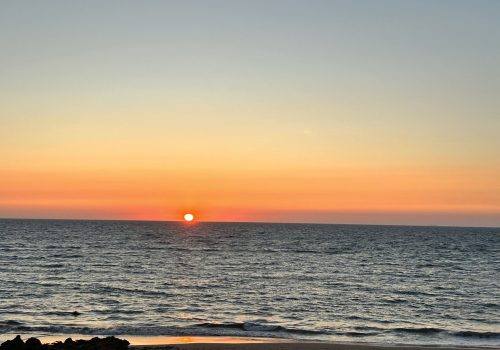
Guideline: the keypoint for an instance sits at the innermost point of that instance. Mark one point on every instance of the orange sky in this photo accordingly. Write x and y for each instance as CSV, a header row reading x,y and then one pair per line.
x,y
247,111
245,195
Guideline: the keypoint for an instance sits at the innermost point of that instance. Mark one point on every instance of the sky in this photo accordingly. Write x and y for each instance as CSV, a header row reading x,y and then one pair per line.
x,y
383,112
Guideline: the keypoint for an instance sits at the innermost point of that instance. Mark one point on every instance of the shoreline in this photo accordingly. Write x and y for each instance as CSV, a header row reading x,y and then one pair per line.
x,y
251,343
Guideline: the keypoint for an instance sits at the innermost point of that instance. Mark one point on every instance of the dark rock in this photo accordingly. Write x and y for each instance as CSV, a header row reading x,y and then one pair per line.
x,y
70,341
14,344
76,313
56,346
115,343
33,344
109,343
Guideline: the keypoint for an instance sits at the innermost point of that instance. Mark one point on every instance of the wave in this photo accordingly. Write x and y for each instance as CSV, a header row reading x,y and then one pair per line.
x,y
360,334
425,330
252,328
483,335
458,334
243,328
258,327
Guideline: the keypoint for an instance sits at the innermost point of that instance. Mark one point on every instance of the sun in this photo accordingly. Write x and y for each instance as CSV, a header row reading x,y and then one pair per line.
x,y
188,217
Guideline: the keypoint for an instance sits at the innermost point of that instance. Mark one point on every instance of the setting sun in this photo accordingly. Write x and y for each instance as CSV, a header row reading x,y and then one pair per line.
x,y
188,217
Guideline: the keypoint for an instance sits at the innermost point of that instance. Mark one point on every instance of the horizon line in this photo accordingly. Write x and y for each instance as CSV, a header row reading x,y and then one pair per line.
x,y
244,222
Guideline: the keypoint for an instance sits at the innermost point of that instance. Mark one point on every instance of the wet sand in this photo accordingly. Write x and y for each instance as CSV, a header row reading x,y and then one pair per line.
x,y
233,343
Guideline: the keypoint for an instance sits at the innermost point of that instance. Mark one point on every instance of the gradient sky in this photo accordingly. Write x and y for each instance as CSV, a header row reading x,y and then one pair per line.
x,y
296,111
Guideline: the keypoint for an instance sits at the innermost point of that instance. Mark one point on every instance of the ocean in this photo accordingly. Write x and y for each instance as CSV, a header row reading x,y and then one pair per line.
x,y
361,283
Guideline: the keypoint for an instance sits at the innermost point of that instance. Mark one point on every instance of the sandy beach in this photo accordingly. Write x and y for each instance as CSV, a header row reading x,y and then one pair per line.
x,y
209,343
286,345
233,343
294,346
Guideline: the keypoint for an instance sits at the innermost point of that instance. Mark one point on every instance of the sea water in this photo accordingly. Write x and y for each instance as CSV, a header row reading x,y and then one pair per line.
x,y
385,284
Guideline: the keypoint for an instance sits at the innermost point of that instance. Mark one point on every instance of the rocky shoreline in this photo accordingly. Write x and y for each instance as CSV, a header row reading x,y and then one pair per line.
x,y
108,343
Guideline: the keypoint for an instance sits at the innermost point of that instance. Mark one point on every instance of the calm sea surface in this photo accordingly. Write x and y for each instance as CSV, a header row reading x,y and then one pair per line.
x,y
389,284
